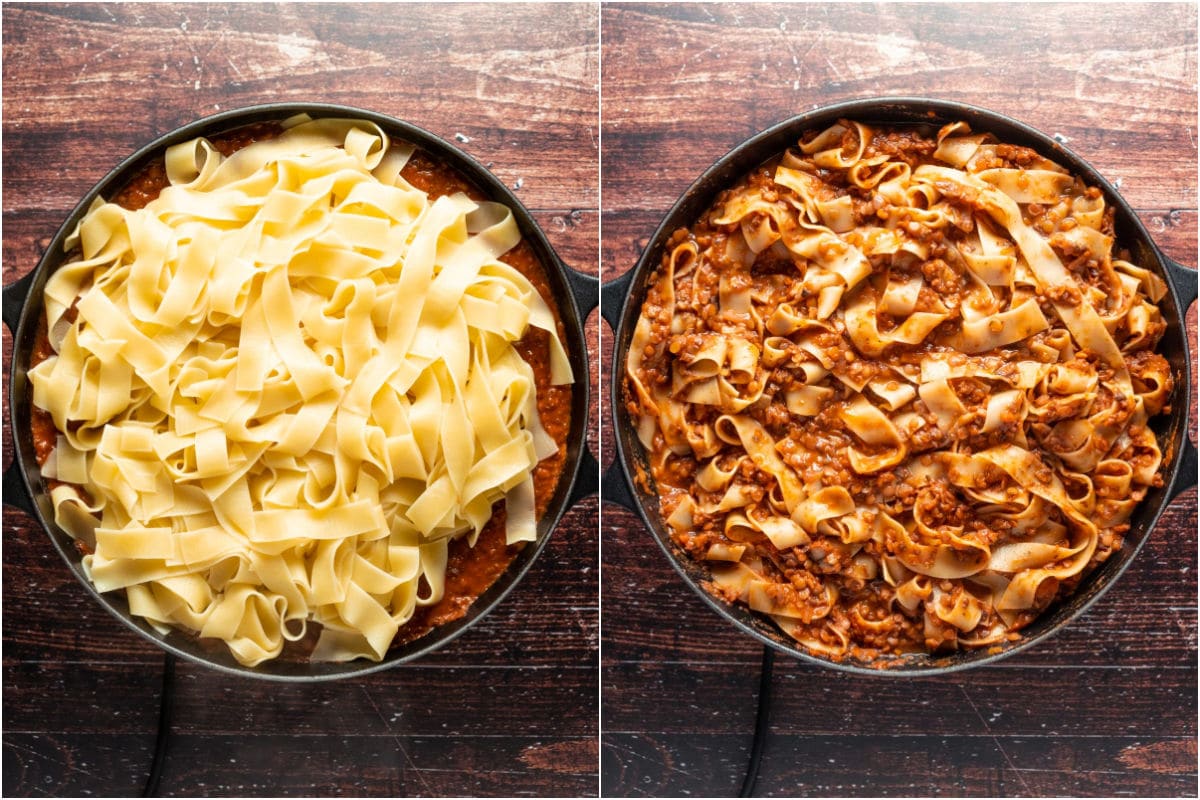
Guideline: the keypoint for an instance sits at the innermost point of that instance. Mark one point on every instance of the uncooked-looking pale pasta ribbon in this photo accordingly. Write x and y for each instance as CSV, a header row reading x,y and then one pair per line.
x,y
290,384
998,377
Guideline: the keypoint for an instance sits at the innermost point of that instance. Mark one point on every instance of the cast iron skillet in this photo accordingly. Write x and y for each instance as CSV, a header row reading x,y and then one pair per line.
x,y
574,293
621,303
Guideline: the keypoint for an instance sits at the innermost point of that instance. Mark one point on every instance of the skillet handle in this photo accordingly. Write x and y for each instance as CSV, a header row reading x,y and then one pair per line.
x,y
1183,281
1185,474
612,298
587,478
15,295
614,486
585,289
16,494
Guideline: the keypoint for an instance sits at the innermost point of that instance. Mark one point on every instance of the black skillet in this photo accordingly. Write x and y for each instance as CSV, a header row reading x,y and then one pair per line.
x,y
621,302
575,294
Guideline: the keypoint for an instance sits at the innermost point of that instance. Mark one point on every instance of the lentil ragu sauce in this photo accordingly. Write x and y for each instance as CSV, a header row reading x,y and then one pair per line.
x,y
470,571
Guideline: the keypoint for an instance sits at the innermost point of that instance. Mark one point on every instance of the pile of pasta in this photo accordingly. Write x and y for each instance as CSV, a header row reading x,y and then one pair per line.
x,y
895,389
283,386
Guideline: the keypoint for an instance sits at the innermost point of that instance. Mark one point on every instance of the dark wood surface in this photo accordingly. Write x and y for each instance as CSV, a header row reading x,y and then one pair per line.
x,y
1107,707
507,709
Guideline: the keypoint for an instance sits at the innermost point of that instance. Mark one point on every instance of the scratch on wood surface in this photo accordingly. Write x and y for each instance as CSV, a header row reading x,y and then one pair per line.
x,y
833,68
234,66
94,57
1184,619
996,740
683,66
666,761
399,744
797,60
35,753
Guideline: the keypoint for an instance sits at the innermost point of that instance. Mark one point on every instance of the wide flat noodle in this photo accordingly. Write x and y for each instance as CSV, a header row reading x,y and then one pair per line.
x,y
290,382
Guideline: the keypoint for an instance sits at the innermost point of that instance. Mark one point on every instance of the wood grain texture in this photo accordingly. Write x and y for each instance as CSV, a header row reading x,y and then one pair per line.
x,y
509,708
897,766
74,764
689,83
400,766
1106,707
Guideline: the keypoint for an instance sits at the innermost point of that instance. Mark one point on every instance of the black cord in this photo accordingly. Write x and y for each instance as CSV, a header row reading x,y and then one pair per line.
x,y
165,710
762,722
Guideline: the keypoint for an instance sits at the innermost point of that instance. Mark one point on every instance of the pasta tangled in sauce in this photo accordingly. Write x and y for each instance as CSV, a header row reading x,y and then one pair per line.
x,y
894,389
285,385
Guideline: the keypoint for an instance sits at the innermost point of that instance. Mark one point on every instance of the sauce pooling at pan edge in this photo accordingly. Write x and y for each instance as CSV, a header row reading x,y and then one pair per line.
x,y
894,388
300,374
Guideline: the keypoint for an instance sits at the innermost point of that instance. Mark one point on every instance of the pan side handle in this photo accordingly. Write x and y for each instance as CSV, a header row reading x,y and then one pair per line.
x,y
16,493
1185,474
15,295
615,484
614,487
1183,281
585,289
587,478
612,298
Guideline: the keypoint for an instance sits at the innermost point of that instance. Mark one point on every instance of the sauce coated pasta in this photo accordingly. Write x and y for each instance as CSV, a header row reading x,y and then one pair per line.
x,y
894,388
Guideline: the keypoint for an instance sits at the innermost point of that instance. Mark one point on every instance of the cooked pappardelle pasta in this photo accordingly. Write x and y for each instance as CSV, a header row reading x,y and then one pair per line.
x,y
284,386
894,389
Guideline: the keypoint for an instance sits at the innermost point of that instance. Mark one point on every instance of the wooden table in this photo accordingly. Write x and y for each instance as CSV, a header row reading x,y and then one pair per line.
x,y
1107,707
507,709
